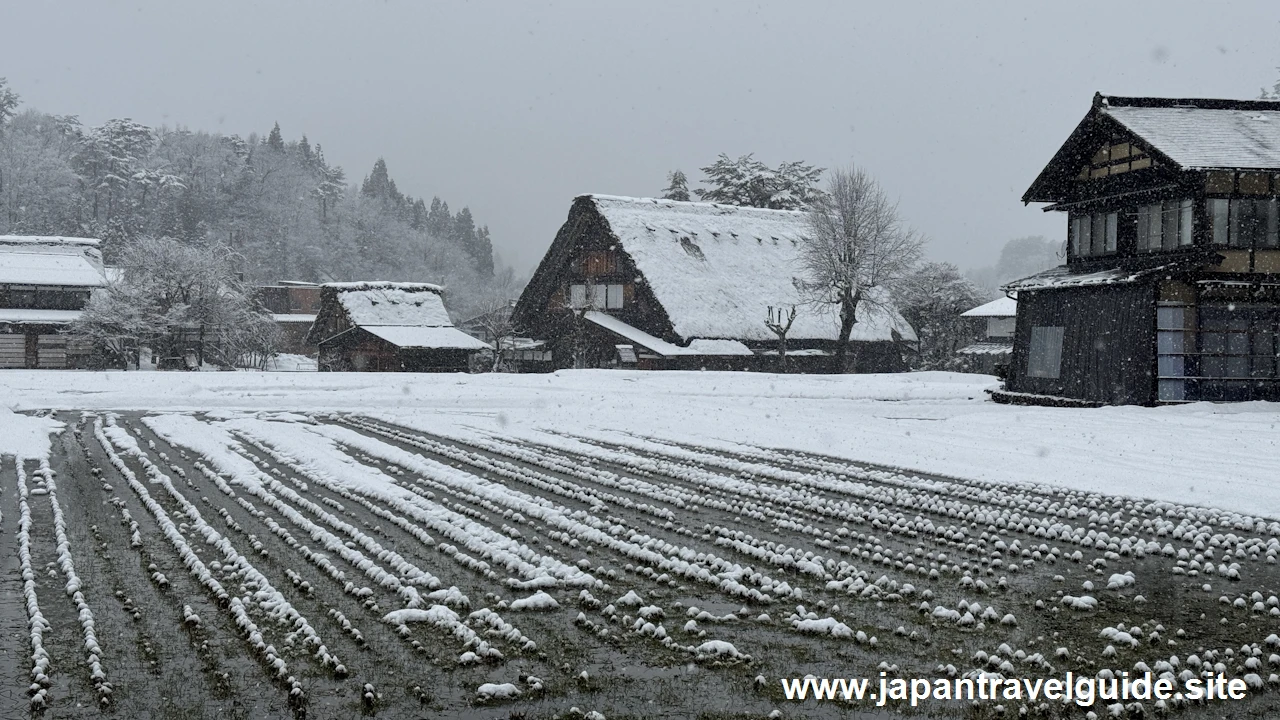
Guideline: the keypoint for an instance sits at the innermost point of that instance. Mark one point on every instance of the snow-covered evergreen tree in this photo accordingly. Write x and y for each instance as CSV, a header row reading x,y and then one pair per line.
x,y
677,187
275,140
749,182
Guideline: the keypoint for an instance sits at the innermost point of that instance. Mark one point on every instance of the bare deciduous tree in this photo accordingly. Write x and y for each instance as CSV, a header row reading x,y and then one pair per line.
x,y
178,299
494,318
780,325
495,322
859,247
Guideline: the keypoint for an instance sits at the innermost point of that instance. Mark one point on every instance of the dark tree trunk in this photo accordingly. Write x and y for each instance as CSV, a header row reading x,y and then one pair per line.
x,y
848,317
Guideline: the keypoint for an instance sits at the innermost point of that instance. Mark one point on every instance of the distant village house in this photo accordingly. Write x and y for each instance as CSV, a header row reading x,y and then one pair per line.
x,y
992,351
388,327
660,284
293,305
1171,289
45,283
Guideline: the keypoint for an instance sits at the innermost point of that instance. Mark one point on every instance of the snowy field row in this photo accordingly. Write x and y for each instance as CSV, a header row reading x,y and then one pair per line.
x,y
456,547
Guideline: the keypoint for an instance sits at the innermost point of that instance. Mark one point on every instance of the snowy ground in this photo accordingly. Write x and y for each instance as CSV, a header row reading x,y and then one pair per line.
x,y
641,545
1218,455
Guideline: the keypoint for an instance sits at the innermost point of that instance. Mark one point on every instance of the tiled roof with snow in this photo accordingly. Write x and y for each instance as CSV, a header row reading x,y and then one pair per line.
x,y
386,303
38,260
1065,276
716,269
1204,137
1000,307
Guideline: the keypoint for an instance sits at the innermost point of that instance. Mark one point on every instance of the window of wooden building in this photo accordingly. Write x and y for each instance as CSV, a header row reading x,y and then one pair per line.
x,y
1165,226
1094,234
1044,358
600,297
1244,222
1217,351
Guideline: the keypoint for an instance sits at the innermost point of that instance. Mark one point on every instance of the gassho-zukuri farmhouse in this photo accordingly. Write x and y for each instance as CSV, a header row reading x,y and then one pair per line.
x,y
661,284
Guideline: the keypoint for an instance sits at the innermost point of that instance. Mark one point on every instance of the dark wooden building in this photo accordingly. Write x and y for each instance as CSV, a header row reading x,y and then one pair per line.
x,y
660,284
45,283
293,305
388,327
1171,288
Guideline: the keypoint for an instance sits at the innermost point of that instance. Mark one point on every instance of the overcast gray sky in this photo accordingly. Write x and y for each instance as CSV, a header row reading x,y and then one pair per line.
x,y
513,108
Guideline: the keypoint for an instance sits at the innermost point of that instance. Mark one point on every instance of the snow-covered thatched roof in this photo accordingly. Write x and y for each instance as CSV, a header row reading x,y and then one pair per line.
x,y
407,315
41,260
391,303
716,269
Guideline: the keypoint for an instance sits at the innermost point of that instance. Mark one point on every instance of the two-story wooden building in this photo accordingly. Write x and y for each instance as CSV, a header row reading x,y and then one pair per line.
x,y
1171,289
45,283
660,284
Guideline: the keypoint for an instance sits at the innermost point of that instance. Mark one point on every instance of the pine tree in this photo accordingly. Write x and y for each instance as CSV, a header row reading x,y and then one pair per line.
x,y
418,214
305,148
749,182
677,187
380,185
439,221
8,103
275,140
463,232
484,253
377,182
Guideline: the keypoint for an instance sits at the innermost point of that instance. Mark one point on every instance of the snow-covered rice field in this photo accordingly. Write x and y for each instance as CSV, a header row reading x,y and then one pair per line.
x,y
438,547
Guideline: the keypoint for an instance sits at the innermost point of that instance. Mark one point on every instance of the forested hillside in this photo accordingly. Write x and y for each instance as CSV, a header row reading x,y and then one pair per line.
x,y
288,212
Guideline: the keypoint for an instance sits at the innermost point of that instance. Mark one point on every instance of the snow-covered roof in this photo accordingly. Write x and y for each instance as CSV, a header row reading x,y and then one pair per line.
x,y
293,317
662,347
25,316
387,303
716,269
987,348
1065,276
436,338
1205,137
54,240
1000,307
38,260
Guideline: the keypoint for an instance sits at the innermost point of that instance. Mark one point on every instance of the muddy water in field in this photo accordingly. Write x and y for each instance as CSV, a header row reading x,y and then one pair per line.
x,y
692,531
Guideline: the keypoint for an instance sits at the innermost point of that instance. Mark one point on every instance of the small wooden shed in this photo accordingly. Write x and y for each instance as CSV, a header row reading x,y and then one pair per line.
x,y
388,327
